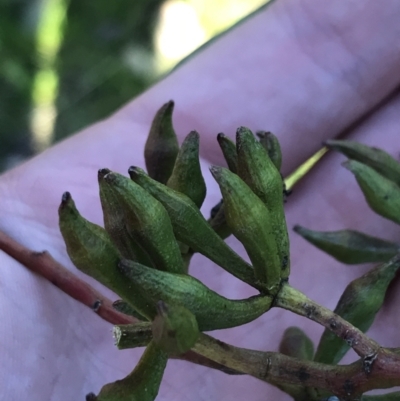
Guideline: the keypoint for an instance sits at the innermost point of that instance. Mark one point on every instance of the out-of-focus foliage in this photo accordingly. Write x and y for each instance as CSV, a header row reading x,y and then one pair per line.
x,y
65,64
17,68
105,59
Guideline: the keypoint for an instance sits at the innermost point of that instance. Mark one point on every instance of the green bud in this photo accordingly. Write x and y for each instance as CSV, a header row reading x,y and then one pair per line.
x,y
256,169
395,396
126,309
142,384
92,252
115,223
186,176
349,246
212,311
132,335
359,303
271,144
147,221
175,329
250,222
382,194
228,148
191,228
375,158
162,145
297,344
218,222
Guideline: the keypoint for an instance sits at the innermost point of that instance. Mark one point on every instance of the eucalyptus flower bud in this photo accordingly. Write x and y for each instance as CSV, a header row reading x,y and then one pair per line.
x,y
359,303
162,145
228,148
142,384
250,222
375,158
186,176
115,223
175,329
256,169
147,221
212,311
382,194
271,144
297,344
191,228
92,251
349,246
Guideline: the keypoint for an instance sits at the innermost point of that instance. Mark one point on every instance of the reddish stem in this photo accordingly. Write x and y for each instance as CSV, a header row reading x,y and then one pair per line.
x,y
44,264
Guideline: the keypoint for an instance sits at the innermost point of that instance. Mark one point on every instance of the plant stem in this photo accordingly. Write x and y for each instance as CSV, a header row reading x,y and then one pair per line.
x,y
295,301
347,382
43,264
132,335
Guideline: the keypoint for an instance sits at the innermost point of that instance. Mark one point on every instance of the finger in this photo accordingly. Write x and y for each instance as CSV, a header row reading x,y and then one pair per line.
x,y
304,70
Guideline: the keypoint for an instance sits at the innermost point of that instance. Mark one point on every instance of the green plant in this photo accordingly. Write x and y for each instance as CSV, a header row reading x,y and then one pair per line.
x,y
153,226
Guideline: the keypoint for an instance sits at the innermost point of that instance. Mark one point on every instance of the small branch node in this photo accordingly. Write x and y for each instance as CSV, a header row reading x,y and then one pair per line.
x,y
368,362
96,305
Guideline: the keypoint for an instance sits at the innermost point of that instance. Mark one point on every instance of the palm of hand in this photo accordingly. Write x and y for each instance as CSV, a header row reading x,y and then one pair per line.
x,y
55,348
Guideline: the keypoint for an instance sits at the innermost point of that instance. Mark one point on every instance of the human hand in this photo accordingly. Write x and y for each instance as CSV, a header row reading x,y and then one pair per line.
x,y
307,71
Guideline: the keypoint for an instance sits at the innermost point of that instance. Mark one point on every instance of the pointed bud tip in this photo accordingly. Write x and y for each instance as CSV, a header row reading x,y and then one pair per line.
x,y
110,177
297,228
193,134
221,136
66,197
349,164
216,171
103,172
134,171
243,133
261,134
166,108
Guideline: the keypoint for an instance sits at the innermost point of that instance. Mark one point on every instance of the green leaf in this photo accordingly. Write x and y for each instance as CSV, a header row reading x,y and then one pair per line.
x,y
359,303
375,158
349,246
382,194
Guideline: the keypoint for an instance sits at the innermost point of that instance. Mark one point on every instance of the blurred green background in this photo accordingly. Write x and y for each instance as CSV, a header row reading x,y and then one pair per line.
x,y
65,64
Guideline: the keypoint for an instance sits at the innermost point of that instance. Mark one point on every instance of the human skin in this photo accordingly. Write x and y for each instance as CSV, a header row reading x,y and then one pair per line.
x,y
307,71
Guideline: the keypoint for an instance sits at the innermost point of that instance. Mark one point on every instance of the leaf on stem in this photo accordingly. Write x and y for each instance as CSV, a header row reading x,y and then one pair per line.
x,y
375,158
382,194
349,246
359,303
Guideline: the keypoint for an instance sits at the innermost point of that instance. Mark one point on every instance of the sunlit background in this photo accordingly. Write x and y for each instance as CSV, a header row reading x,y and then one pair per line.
x,y
65,64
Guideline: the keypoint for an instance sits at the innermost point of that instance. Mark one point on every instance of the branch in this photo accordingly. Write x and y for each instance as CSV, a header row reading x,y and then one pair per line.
x,y
295,301
345,381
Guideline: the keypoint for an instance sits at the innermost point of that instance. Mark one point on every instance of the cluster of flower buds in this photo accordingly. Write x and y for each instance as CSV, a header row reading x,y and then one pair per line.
x,y
152,227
